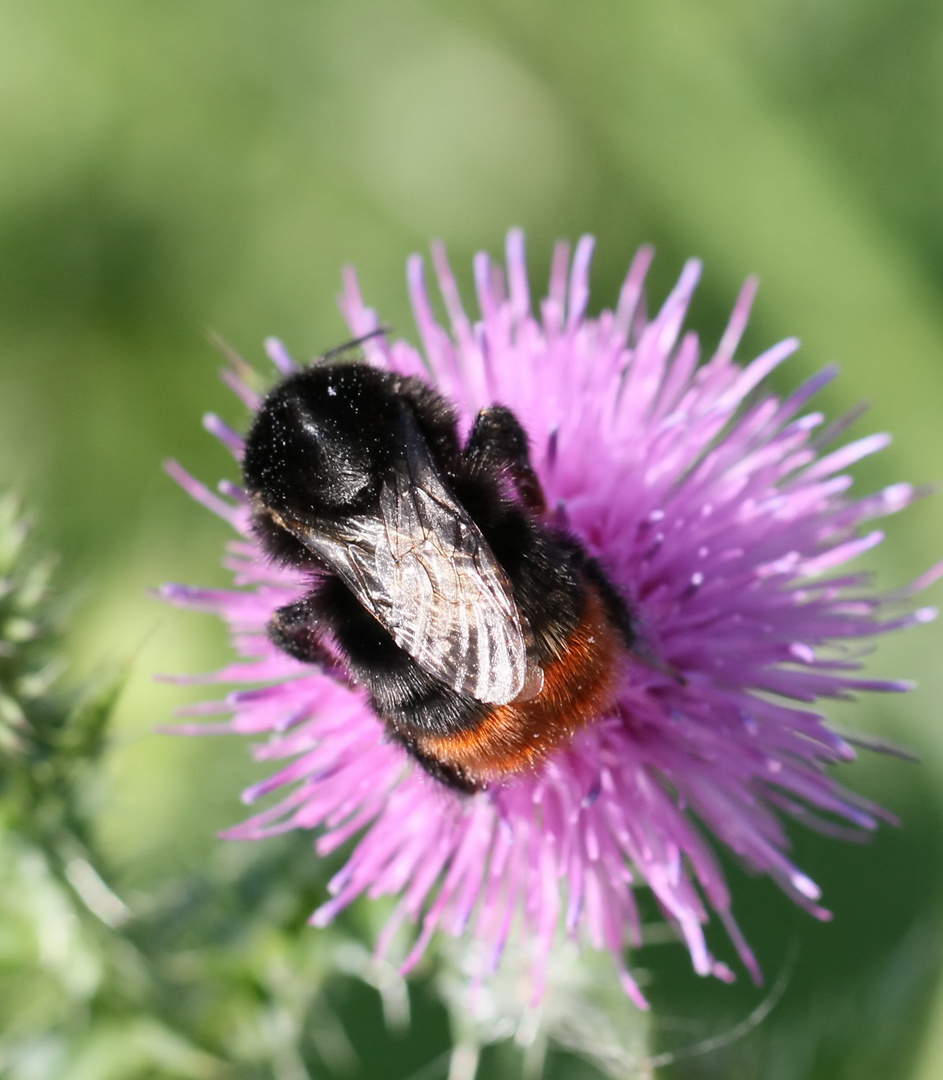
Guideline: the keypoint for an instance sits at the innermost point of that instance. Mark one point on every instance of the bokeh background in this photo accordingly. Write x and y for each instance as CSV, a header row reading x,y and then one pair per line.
x,y
174,168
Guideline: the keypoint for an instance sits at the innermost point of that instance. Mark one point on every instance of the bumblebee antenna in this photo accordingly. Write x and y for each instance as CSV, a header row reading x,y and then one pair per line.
x,y
355,343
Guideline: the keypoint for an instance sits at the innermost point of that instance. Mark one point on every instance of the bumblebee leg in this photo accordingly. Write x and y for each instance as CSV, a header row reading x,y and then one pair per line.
x,y
438,770
498,442
616,608
296,630
622,617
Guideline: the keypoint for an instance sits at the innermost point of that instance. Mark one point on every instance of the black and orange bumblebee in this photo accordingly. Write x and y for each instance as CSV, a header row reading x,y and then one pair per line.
x,y
484,635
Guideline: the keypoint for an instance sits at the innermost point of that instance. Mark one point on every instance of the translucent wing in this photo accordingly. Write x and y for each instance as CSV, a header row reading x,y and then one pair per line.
x,y
424,570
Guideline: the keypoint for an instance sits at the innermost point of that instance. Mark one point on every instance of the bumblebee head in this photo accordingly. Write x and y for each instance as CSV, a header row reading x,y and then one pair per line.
x,y
320,442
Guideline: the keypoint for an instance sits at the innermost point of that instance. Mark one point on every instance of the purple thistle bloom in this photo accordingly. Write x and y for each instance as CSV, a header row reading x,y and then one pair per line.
x,y
714,510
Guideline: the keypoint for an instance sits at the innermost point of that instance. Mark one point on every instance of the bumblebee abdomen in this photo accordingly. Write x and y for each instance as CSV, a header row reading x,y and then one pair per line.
x,y
580,683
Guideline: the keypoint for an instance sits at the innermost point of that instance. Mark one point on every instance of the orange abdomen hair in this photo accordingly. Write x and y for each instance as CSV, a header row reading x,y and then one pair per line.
x,y
579,685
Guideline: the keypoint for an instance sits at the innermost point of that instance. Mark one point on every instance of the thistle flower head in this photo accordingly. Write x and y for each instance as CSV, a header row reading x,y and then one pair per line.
x,y
722,514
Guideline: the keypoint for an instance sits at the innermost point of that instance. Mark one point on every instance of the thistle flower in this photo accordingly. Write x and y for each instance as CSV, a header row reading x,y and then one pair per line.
x,y
726,527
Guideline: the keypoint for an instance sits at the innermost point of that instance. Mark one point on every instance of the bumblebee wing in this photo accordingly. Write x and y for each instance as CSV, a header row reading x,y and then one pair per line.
x,y
424,570
451,604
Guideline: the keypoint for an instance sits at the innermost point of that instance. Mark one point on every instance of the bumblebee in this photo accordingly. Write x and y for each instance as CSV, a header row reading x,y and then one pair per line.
x,y
484,635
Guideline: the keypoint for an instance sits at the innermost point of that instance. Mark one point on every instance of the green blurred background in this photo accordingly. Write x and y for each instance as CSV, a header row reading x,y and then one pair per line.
x,y
176,167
